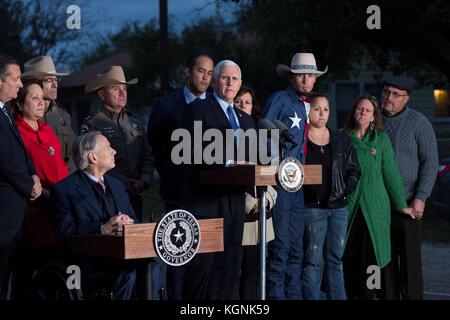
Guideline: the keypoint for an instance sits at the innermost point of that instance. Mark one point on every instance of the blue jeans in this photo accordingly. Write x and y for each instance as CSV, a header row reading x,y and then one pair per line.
x,y
285,252
325,232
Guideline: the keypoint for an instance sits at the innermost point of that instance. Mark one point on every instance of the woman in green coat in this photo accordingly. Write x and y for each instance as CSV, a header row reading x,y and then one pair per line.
x,y
369,206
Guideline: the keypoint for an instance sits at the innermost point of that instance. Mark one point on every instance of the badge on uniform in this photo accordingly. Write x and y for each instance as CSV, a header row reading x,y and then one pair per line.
x,y
62,121
134,125
51,151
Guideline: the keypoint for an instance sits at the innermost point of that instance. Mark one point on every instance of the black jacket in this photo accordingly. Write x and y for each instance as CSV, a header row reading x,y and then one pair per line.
x,y
210,200
16,170
165,118
345,170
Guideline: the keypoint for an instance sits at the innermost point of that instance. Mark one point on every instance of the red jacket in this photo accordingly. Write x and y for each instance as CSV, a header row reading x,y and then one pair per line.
x,y
45,152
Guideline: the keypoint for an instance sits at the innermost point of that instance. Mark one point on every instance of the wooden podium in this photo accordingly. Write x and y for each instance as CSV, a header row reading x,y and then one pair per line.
x,y
137,241
253,175
260,177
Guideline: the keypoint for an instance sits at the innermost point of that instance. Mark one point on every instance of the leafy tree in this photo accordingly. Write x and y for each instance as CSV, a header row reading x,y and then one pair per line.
x,y
211,36
32,28
11,25
413,37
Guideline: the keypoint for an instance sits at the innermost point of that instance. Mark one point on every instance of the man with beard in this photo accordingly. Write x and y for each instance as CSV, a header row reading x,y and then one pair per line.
x,y
414,143
285,252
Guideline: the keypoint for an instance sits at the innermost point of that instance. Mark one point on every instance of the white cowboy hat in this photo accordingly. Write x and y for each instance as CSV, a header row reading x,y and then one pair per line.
x,y
110,75
39,67
300,63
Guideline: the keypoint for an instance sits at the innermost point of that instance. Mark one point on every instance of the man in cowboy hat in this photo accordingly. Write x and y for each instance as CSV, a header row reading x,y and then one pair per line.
x,y
43,69
285,252
125,132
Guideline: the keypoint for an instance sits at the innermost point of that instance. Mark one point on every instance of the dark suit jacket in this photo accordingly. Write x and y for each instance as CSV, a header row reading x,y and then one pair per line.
x,y
165,118
15,175
211,201
76,210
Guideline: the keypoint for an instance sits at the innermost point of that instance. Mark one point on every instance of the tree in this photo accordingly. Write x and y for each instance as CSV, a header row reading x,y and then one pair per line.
x,y
211,36
142,42
34,28
413,37
11,25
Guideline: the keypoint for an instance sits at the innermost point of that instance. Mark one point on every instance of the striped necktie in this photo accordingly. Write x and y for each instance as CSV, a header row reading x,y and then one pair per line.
x,y
101,183
6,113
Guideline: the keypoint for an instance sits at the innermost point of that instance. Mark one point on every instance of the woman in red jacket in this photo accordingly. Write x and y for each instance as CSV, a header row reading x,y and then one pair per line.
x,y
38,239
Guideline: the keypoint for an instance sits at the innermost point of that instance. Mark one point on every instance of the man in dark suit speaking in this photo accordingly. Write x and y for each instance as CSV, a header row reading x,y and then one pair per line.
x,y
214,276
89,202
18,179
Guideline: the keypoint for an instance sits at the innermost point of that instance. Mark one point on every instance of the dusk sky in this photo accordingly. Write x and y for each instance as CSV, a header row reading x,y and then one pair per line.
x,y
181,12
102,17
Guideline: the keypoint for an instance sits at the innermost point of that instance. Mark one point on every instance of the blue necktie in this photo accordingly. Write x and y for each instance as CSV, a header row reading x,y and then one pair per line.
x,y
231,118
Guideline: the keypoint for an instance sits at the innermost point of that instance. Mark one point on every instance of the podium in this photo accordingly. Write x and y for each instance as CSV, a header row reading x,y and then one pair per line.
x,y
137,242
259,176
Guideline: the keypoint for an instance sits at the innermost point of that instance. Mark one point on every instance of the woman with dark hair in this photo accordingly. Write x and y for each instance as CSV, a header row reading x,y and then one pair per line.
x,y
368,238
38,238
326,211
246,101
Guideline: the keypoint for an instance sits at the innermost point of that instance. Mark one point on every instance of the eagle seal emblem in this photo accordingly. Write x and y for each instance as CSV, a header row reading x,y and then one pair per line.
x,y
291,174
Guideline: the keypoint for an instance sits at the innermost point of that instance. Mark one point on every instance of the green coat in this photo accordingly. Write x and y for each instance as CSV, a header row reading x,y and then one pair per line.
x,y
380,185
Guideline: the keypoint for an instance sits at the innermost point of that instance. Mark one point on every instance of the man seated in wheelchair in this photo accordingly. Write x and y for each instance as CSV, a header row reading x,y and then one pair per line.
x,y
90,202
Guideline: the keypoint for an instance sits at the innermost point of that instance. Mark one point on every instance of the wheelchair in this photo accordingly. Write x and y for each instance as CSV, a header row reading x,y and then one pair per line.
x,y
50,281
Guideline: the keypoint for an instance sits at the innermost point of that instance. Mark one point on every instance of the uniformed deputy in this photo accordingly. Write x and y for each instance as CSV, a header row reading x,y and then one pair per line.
x,y
43,69
126,134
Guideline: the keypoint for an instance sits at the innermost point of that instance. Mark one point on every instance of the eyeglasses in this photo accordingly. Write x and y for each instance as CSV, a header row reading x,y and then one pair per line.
x,y
395,95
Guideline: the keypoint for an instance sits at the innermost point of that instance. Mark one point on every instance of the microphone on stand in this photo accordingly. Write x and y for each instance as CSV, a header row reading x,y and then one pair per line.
x,y
284,132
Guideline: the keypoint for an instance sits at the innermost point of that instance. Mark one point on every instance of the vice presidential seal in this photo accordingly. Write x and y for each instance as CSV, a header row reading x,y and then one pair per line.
x,y
177,237
291,174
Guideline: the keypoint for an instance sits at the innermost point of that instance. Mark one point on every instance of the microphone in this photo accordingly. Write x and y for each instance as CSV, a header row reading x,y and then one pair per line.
x,y
284,132
266,124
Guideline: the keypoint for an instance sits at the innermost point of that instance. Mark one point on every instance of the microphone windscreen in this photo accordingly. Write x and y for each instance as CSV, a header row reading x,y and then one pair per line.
x,y
266,124
280,125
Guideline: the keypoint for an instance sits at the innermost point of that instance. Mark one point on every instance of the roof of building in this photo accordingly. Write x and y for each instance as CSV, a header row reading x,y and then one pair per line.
x,y
83,76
